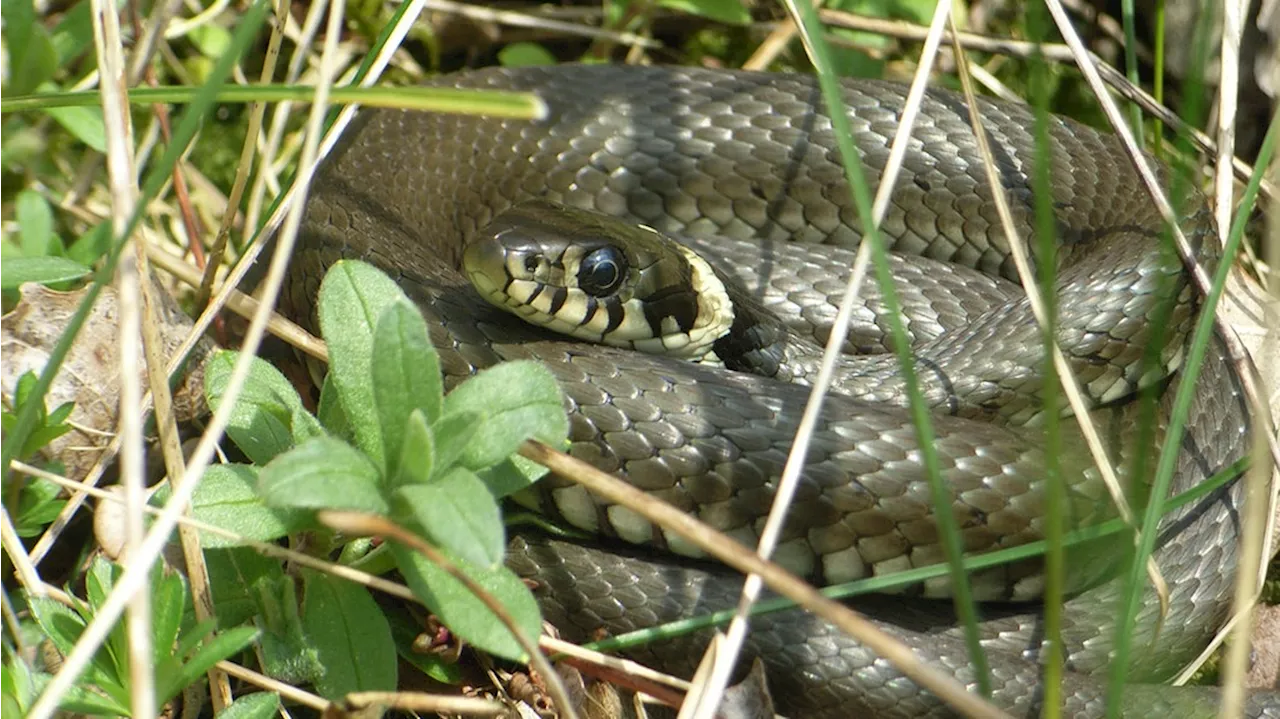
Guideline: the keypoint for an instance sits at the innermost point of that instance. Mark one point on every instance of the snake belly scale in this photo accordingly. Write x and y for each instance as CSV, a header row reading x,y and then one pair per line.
x,y
725,157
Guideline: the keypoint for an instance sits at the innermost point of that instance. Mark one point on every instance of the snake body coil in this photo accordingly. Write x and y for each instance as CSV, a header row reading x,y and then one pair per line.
x,y
737,157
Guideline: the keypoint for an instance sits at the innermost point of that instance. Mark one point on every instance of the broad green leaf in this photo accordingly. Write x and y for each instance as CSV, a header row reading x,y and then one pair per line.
x,y
16,271
520,400
458,514
329,412
60,624
233,572
452,434
525,54
511,475
168,601
322,473
91,245
35,224
731,12
228,498
74,33
466,615
269,416
406,375
350,634
258,705
32,58
352,297
417,454
85,123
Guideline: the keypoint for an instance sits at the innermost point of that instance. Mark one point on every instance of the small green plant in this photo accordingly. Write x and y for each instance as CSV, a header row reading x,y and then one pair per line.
x,y
183,651
49,425
34,502
386,441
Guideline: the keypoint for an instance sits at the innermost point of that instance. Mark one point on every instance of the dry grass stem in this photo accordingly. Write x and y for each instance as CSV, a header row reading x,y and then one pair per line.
x,y
732,553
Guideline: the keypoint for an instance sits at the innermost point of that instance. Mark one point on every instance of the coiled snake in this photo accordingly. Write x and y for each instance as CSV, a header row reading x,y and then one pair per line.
x,y
742,161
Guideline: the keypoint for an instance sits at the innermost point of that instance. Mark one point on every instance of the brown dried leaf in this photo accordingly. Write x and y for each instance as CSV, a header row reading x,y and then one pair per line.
x,y
90,375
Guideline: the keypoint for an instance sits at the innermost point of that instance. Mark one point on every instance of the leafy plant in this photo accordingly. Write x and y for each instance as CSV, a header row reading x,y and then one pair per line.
x,y
389,442
181,657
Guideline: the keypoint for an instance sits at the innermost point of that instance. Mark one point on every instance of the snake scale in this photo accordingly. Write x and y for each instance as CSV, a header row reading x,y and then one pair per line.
x,y
709,154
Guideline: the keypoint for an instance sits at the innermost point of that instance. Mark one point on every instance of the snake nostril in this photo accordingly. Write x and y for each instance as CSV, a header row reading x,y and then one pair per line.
x,y
531,264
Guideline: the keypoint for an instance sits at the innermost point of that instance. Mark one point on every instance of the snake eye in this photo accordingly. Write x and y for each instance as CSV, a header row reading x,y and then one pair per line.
x,y
602,271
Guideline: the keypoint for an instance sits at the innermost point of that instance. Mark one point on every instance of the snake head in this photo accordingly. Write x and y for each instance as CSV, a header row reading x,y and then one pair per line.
x,y
599,278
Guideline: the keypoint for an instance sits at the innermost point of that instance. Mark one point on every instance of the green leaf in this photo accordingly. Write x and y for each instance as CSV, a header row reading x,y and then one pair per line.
x,y
16,271
406,375
269,416
287,654
61,625
322,473
82,699
35,225
227,497
233,572
731,12
61,413
223,645
520,400
511,475
466,615
458,514
417,455
210,39
38,505
258,705
85,123
168,601
525,54
352,297
350,634
452,434
92,245
330,414
18,685
32,58
74,33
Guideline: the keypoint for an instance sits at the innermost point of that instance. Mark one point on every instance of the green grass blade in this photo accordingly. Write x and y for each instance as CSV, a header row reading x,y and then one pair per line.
x,y
516,105
949,533
1202,336
1037,25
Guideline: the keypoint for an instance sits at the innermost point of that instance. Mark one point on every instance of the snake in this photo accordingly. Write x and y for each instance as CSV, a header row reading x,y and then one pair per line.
x,y
743,168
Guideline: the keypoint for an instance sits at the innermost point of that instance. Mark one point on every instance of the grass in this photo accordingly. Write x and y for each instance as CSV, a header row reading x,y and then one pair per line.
x,y
79,194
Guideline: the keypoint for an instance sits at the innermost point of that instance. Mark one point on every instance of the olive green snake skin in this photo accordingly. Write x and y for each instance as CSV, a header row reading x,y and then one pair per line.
x,y
716,154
